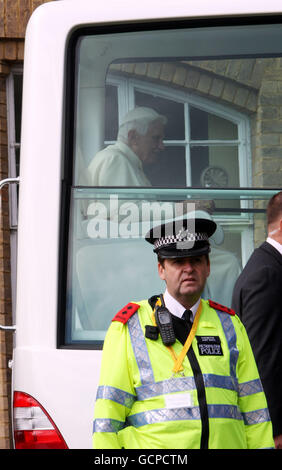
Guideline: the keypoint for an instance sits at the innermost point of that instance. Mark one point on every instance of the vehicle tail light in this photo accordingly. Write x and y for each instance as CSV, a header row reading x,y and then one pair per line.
x,y
33,427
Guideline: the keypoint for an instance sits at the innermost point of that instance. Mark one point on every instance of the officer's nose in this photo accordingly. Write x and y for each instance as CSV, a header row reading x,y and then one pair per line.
x,y
187,265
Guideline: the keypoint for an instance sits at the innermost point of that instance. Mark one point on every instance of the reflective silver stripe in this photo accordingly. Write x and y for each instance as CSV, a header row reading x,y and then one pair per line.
x,y
231,338
179,384
256,417
249,388
219,381
119,396
224,411
162,415
182,384
180,414
140,350
107,425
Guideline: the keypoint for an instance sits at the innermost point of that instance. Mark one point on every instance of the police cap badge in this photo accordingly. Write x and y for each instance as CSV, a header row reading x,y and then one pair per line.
x,y
182,238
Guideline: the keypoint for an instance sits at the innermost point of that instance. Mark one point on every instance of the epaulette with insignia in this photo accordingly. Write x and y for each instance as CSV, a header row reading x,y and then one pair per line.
x,y
220,307
126,312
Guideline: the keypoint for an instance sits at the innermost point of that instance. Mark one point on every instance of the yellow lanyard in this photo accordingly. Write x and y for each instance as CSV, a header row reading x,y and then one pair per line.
x,y
178,360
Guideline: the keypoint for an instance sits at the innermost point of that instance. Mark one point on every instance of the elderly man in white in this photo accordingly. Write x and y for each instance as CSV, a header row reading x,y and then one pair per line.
x,y
139,140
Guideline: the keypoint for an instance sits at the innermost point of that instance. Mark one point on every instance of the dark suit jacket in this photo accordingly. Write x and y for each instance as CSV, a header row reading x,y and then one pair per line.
x,y
257,300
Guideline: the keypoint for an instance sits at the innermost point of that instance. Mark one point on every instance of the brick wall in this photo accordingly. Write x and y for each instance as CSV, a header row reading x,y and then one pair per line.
x,y
269,125
5,279
14,15
199,79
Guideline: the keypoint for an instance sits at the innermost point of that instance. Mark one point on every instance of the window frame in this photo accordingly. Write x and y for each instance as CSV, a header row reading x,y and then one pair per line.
x,y
126,101
69,145
13,145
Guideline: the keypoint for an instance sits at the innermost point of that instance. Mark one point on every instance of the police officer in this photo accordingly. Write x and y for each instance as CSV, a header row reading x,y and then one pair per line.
x,y
178,371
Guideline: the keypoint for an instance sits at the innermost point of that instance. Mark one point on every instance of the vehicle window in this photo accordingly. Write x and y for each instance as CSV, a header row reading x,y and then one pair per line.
x,y
166,122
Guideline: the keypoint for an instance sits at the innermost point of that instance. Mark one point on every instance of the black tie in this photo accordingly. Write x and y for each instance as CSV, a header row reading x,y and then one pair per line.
x,y
188,316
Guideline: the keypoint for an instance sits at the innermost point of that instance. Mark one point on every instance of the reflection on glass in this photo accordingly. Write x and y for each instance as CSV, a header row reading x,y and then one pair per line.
x,y
173,110
215,166
207,126
139,142
222,131
169,169
111,113
111,260
181,162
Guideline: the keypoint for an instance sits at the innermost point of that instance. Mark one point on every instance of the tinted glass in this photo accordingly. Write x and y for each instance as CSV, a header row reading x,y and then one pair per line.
x,y
214,94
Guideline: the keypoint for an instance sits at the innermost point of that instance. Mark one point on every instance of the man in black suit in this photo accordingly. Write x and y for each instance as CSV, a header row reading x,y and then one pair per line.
x,y
257,301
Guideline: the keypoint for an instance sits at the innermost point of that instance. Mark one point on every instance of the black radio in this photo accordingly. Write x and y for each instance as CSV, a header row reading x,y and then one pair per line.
x,y
164,323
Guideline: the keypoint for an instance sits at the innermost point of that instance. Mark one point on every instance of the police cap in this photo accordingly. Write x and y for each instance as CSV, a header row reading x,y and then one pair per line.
x,y
182,238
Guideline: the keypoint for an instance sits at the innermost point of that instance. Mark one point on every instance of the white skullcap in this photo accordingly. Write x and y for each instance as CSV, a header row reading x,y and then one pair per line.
x,y
142,113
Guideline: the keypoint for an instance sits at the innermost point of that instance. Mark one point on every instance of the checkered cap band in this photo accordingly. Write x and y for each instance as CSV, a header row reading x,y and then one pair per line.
x,y
182,236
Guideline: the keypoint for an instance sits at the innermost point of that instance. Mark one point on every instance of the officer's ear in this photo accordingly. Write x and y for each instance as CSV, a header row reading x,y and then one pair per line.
x,y
208,264
161,270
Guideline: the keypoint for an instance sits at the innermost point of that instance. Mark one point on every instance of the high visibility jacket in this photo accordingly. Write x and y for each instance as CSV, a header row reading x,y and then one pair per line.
x,y
215,402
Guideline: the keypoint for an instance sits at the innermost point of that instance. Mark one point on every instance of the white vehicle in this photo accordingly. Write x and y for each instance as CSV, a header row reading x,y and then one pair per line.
x,y
81,251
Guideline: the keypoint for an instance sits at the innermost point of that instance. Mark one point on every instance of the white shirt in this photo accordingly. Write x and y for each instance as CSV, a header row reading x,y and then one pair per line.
x,y
176,308
117,165
275,244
